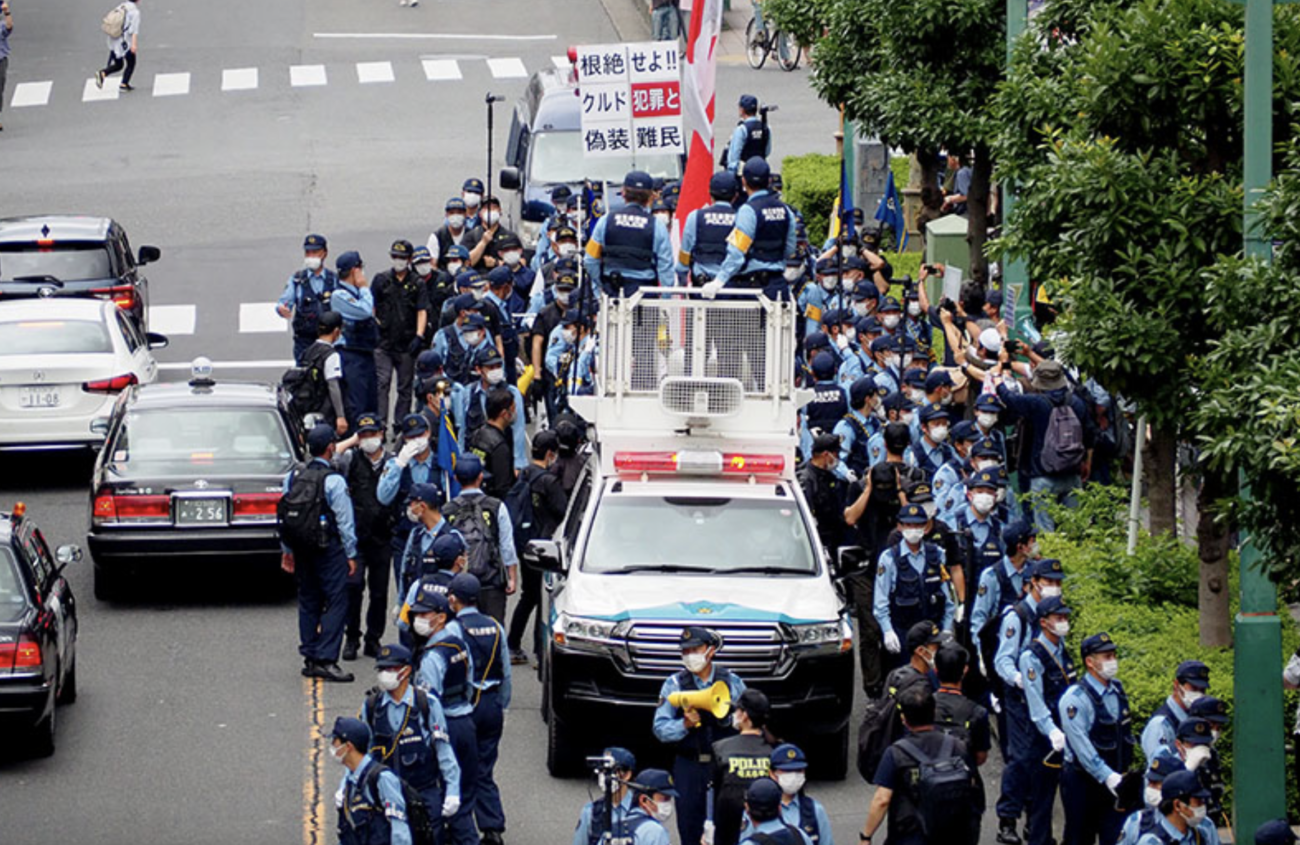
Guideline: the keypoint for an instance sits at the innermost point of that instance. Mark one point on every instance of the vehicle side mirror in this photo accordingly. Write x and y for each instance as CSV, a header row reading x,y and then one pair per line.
x,y
65,555
99,425
543,555
850,559
157,341
510,180
148,255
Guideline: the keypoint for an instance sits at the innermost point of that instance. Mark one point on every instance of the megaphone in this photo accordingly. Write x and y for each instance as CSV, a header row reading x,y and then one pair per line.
x,y
716,699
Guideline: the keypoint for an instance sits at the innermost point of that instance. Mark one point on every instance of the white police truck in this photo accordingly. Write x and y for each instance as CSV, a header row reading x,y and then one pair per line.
x,y
688,513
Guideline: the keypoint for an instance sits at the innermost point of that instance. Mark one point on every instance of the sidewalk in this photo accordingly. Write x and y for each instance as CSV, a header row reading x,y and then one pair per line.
x,y
636,26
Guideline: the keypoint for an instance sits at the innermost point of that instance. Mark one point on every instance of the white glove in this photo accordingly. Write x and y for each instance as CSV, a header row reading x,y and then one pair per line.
x,y
709,832
589,344
450,805
994,704
710,289
1057,738
892,643
408,453
960,616
850,476
1112,781
1019,680
1196,755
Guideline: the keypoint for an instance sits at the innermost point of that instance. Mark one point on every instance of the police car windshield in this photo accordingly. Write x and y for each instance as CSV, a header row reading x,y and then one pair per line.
x,y
64,262
53,337
13,597
215,441
632,534
557,157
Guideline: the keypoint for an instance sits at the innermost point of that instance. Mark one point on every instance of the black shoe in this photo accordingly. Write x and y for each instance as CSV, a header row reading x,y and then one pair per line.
x,y
126,87
309,668
371,649
1007,832
492,837
350,649
99,79
518,657
332,672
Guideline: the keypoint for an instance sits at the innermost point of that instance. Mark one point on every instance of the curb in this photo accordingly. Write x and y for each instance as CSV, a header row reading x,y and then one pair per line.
x,y
631,20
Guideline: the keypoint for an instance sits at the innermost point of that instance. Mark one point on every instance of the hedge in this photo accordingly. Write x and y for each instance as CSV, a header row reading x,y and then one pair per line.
x,y
811,183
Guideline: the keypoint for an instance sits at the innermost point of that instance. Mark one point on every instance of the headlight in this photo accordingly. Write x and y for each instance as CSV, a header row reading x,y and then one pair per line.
x,y
528,233
824,636
589,634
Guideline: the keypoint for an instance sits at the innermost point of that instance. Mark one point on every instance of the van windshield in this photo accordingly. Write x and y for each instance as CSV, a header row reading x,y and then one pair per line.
x,y
557,157
712,536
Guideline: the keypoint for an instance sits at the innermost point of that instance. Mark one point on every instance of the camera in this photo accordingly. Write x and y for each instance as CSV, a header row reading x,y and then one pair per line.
x,y
932,268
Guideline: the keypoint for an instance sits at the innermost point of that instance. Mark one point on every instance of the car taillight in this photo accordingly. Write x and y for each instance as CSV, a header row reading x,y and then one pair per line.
x,y
116,384
123,296
255,505
20,656
131,508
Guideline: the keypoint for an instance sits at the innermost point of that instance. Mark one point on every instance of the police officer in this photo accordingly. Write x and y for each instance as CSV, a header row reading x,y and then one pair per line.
x,y
856,427
444,667
445,288
1143,821
371,809
423,504
1098,729
829,404
983,456
888,353
763,811
953,473
692,732
750,138
414,463
451,231
501,296
488,238
472,193
988,412
1183,803
438,563
629,248
592,822
1047,670
654,799
307,294
322,573
1000,587
825,491
408,732
485,524
979,530
763,238
932,451
1214,711
1193,746
789,768
401,307
1191,680
460,342
704,236
361,468
354,301
738,761
492,377
911,583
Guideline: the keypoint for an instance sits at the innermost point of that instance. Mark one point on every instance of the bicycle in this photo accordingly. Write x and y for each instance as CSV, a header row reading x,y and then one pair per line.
x,y
762,40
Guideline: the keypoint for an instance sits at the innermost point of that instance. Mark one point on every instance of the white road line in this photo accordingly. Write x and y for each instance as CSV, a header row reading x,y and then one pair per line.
x,y
172,320
260,318
507,68
265,364
438,70
447,36
561,62
239,79
171,84
368,72
305,75
91,94
31,94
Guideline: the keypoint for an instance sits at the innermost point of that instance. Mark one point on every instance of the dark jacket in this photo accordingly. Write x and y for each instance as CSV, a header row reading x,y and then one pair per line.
x,y
496,450
1036,409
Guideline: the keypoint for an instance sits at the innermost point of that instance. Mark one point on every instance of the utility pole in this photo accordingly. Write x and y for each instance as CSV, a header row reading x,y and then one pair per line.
x,y
1015,272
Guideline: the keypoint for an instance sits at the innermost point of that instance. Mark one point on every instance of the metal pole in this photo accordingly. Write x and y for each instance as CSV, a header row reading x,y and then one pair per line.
x,y
1135,497
490,99
1016,271
1259,782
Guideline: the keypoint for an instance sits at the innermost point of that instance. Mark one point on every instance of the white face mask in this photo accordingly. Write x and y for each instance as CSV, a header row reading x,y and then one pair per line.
x,y
422,626
455,221
848,283
842,342
695,662
423,443
512,258
986,420
913,536
930,508
946,399
453,267
1151,796
472,200
413,515
338,752
371,445
939,433
983,502
496,375
890,321
479,294
916,395
1002,495
906,417
892,361
850,250
663,217
400,264
985,463
388,679
860,308
492,217
424,268
1191,696
791,782
851,333
663,810
1197,815
1196,755
907,360
1047,591
1061,628
570,335
828,284
1110,670
563,296
567,249
473,338
1033,550
879,412
914,309
312,262
793,274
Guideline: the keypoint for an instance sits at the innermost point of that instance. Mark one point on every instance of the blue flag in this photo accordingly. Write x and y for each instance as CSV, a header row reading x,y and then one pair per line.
x,y
890,212
843,207
448,451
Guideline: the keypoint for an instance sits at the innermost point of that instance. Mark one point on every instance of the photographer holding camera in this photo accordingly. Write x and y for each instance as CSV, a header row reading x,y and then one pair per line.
x,y
607,813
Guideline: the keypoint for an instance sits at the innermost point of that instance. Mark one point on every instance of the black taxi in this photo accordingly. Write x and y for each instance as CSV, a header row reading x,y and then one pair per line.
x,y
190,475
38,631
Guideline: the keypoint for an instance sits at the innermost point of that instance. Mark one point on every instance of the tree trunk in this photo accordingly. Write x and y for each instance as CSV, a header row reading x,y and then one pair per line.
x,y
977,212
1212,541
928,163
1162,453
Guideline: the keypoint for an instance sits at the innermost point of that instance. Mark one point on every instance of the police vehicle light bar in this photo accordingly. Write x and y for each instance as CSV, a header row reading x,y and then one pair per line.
x,y
699,463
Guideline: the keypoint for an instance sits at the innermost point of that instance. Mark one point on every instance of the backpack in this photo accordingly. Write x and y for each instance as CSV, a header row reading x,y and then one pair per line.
x,y
306,386
788,836
301,512
519,504
944,791
1063,441
880,726
475,520
114,22
419,816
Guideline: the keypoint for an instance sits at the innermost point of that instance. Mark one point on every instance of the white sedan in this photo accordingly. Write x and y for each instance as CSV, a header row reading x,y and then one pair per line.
x,y
63,363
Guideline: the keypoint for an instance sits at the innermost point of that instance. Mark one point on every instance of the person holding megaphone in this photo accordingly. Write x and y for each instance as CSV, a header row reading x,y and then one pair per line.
x,y
694,712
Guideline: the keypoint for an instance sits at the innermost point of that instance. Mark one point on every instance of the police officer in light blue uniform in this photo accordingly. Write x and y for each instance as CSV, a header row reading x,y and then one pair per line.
x,y
409,732
654,796
459,343
789,767
439,563
949,479
1183,820
763,238
1098,729
932,451
765,824
1003,585
704,235
629,248
977,526
897,409
750,138
983,458
371,809
307,294
1191,681
591,821
423,503
1143,821
889,359
856,428
444,667
911,584
492,376
988,411
819,296
1047,670
355,303
416,462
691,732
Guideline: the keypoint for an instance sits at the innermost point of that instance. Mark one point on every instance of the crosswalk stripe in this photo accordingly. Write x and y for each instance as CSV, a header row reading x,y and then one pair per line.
x,y
439,70
92,93
368,72
171,84
172,320
561,62
30,94
306,75
260,318
239,79
507,68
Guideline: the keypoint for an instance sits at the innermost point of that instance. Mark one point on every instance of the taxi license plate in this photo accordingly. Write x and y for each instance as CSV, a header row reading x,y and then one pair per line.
x,y
200,511
39,397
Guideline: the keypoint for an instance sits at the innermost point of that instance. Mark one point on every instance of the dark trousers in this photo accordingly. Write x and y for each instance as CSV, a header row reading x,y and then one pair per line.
x,y
4,72
433,798
692,781
360,390
1090,814
861,588
1015,783
530,598
387,363
492,601
115,64
300,345
489,720
322,602
460,827
1043,781
372,573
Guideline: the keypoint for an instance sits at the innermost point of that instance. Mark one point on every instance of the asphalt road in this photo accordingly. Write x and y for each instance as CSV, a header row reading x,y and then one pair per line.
x,y
193,724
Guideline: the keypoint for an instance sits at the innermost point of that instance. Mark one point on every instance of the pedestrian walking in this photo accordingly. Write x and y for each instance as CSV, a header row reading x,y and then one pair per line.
x,y
6,27
548,504
123,47
665,19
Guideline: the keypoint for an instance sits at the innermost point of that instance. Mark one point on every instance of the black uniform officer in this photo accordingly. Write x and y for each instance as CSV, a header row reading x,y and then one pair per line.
x,y
361,468
825,491
738,761
402,311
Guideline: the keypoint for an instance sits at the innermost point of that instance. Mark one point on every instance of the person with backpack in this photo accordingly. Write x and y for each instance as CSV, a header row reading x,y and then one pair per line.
x,y
444,667
536,504
416,462
788,767
361,468
402,312
591,821
315,385
911,583
485,524
880,724
958,715
490,679
122,26
319,546
924,783
1061,435
763,817
408,732
1182,806
307,295
738,761
1048,671
370,801
493,444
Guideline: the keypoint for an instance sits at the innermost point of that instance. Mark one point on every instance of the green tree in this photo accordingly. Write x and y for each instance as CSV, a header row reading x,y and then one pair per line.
x,y
920,74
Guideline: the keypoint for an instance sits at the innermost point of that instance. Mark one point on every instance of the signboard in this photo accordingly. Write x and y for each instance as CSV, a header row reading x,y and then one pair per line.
x,y
952,283
1010,296
631,99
